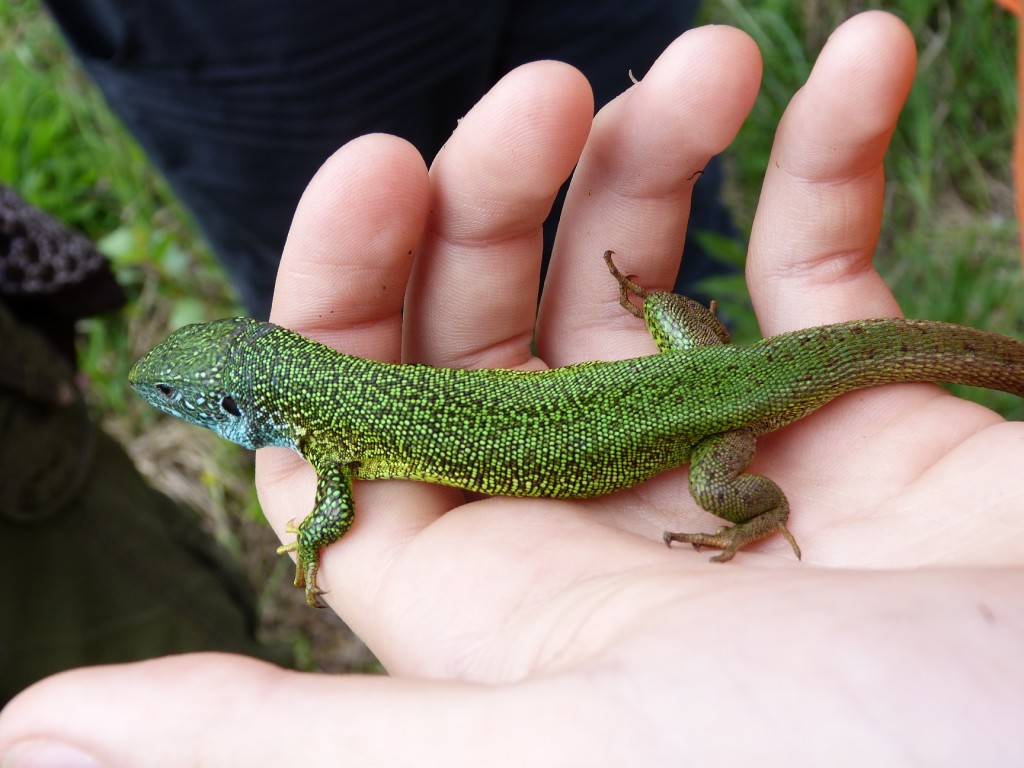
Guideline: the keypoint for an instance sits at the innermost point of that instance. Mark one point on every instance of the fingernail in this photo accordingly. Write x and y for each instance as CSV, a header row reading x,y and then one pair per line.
x,y
43,753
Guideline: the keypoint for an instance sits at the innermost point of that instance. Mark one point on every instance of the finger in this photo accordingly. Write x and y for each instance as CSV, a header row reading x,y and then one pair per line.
x,y
349,251
631,191
209,710
342,280
472,300
821,204
217,710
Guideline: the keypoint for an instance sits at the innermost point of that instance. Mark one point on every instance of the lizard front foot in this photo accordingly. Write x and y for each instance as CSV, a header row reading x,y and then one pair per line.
x,y
307,563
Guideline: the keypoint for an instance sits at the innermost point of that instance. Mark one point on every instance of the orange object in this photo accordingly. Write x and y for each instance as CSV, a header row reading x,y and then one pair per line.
x,y
1018,143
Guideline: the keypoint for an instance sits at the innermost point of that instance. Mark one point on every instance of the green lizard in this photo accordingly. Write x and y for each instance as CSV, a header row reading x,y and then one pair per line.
x,y
574,432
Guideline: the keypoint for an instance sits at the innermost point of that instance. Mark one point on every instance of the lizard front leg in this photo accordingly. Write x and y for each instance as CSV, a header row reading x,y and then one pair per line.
x,y
718,483
330,519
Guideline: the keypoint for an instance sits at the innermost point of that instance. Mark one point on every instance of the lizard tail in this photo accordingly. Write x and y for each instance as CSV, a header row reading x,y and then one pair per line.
x,y
894,350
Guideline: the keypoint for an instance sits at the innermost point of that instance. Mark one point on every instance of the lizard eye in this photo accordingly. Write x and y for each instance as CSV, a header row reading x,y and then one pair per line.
x,y
166,391
229,405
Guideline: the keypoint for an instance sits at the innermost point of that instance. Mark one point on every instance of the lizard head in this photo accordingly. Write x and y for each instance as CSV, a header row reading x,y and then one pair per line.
x,y
188,375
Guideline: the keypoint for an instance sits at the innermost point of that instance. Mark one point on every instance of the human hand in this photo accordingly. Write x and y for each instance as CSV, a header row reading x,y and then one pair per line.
x,y
540,631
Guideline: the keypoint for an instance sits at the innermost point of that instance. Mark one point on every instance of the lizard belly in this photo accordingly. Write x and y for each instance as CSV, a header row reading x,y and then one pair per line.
x,y
546,465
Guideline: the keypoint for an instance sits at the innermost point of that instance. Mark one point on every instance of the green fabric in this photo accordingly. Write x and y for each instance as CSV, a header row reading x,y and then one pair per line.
x,y
96,565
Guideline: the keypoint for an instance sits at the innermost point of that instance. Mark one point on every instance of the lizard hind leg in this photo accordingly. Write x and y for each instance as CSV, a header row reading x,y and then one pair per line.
x,y
675,322
754,504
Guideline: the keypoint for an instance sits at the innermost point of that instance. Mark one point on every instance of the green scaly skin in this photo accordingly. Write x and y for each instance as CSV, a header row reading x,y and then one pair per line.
x,y
575,432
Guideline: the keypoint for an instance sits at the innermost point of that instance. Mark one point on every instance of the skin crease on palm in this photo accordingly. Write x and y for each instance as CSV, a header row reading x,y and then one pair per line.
x,y
526,631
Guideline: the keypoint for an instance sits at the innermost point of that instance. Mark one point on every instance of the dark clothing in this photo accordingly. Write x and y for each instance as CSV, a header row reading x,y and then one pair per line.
x,y
239,102
98,567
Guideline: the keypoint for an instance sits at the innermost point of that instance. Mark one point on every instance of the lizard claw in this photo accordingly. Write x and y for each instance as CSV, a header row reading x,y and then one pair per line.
x,y
313,593
284,549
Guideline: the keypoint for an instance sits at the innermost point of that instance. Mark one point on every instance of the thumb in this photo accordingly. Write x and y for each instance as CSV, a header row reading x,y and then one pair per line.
x,y
216,710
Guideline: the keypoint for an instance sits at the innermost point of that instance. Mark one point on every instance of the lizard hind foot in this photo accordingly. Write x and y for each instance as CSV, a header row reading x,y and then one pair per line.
x,y
728,544
626,286
731,539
